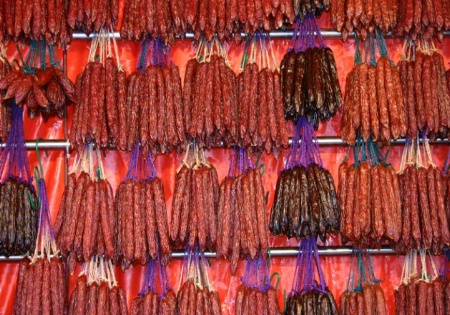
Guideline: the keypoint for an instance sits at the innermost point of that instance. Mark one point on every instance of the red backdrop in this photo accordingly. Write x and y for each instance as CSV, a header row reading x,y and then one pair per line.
x,y
387,268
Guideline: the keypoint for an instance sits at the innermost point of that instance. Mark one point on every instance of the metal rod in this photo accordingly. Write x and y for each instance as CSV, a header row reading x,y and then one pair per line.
x,y
274,252
279,34
323,141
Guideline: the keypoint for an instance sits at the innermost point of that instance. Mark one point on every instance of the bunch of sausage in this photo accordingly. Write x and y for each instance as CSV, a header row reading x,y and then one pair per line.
x,y
363,17
193,299
35,20
5,109
170,18
305,203
195,207
102,109
312,302
370,301
97,298
86,221
310,85
18,220
261,121
155,109
41,287
91,16
152,303
210,102
46,91
424,216
420,17
142,230
374,103
371,204
303,7
426,95
250,300
422,297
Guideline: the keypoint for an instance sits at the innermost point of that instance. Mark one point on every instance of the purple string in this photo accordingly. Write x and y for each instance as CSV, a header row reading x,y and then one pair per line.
x,y
44,221
323,285
309,147
150,166
133,164
232,166
14,156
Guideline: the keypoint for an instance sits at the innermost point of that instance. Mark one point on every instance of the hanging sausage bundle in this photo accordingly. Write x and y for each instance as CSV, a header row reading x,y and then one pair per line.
x,y
152,300
261,121
421,292
309,79
256,295
195,203
369,195
97,291
424,18
363,17
373,103
86,221
425,219
425,92
210,97
35,20
308,295
92,16
242,217
102,113
142,228
154,102
364,294
18,217
41,285
305,201
5,108
196,295
43,88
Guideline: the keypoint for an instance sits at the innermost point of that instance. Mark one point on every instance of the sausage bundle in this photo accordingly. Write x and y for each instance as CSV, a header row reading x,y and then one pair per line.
x,y
18,216
142,229
210,98
373,103
261,121
197,295
5,108
102,114
309,79
309,296
35,20
44,89
363,17
86,221
425,91
92,16
303,7
195,204
369,196
242,217
154,300
424,18
364,294
255,294
97,292
306,202
154,102
424,216
420,291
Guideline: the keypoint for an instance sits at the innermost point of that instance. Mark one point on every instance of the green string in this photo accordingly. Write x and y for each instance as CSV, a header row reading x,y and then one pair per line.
x,y
358,58
276,273
245,55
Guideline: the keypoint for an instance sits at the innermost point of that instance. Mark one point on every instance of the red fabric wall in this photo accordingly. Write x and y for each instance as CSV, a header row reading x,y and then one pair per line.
x,y
387,268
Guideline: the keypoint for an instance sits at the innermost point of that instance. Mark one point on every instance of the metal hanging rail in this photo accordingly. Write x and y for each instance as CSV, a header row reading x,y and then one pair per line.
x,y
278,34
274,252
323,141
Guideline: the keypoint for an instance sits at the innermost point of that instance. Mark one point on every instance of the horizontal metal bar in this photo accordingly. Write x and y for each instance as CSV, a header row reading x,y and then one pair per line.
x,y
279,34
274,252
323,141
